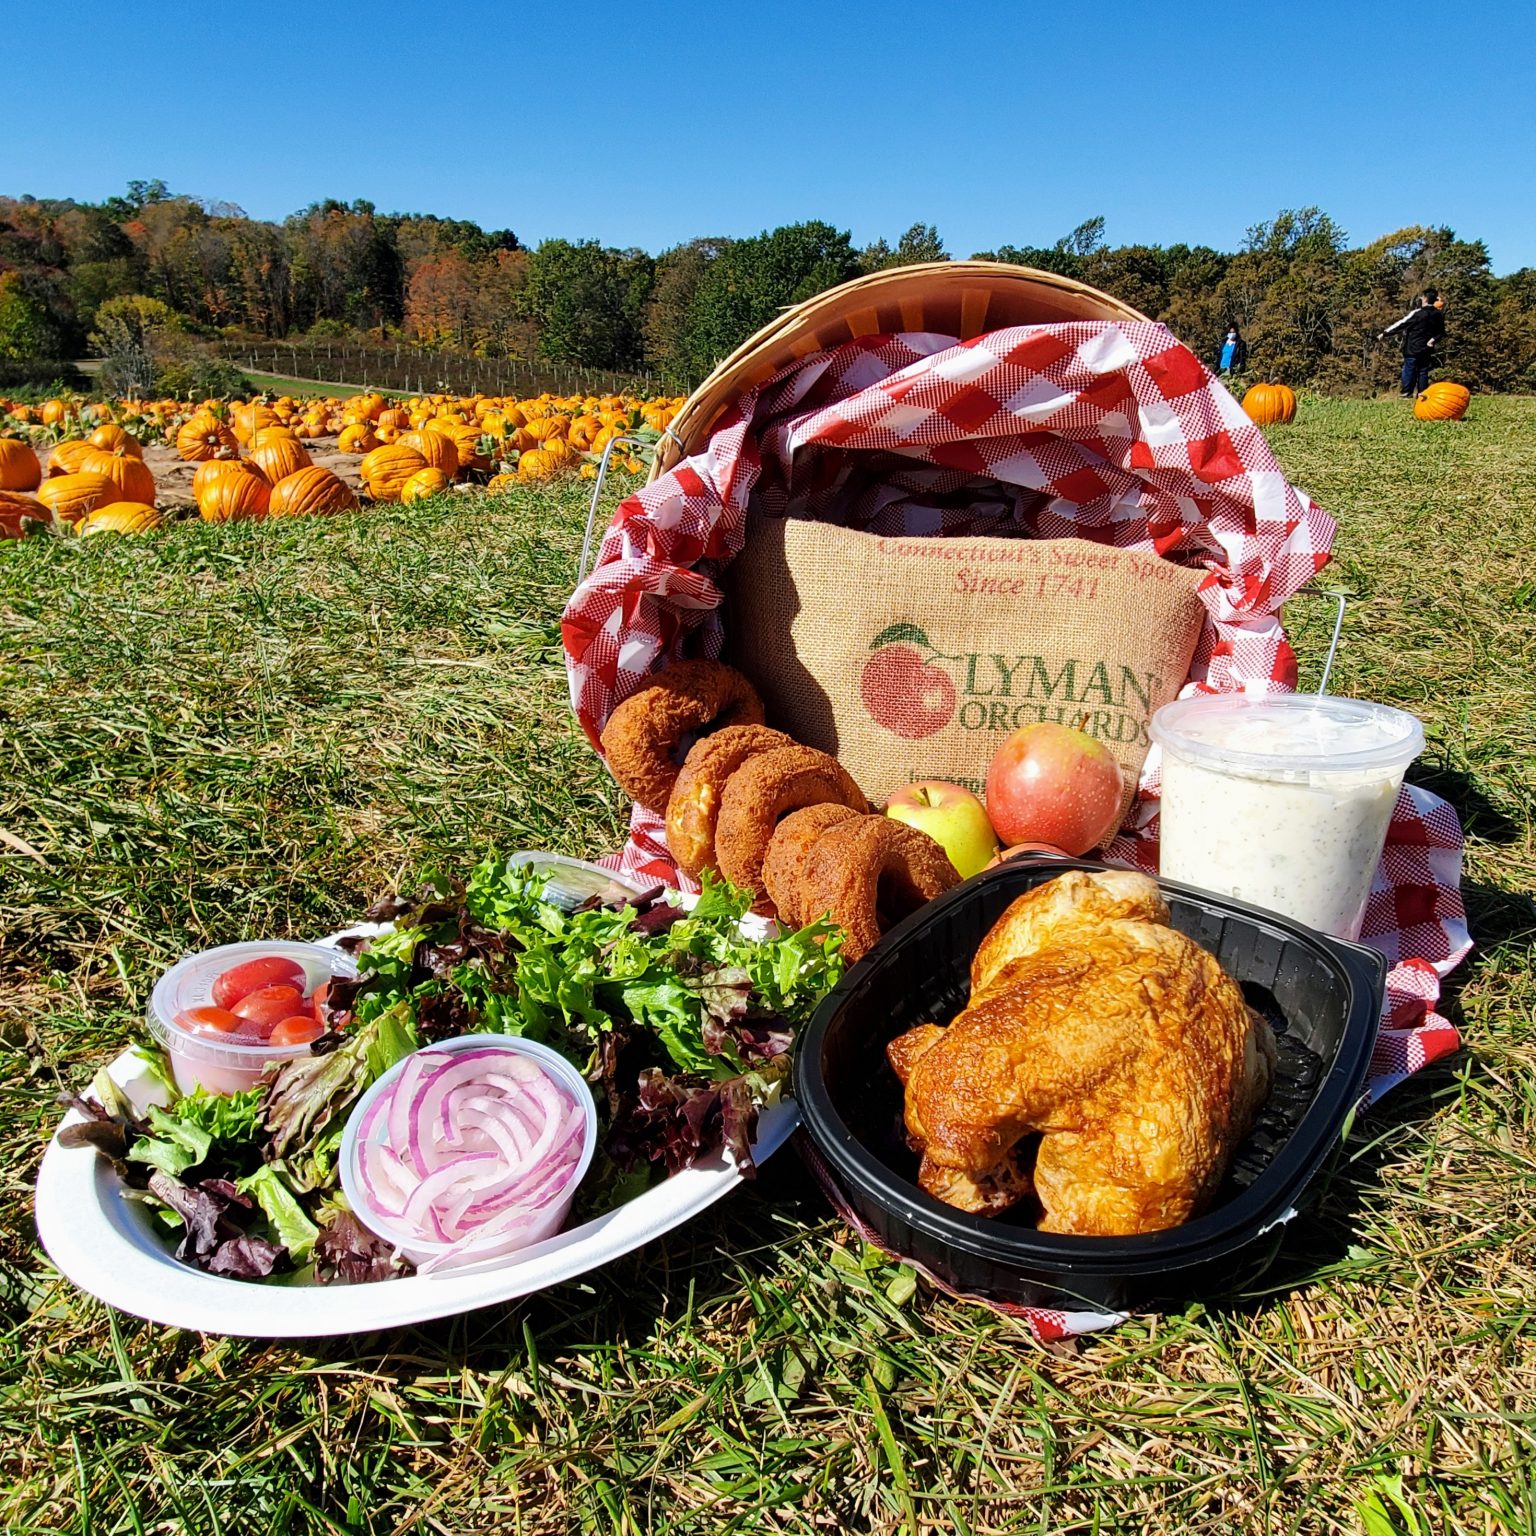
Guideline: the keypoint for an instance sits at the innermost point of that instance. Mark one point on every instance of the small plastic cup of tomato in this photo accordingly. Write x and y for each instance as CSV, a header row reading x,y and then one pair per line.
x,y
225,1014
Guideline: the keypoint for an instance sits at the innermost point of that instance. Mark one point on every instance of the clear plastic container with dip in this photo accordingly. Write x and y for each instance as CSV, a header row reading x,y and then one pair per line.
x,y
229,1065
1282,801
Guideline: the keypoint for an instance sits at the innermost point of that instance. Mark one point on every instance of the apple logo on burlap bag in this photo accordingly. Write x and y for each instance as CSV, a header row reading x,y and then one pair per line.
x,y
912,658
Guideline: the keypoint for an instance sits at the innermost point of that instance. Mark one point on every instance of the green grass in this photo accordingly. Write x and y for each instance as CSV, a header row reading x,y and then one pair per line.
x,y
281,384
218,733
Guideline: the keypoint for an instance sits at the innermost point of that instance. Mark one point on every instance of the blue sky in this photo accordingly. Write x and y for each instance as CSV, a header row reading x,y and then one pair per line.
x,y
646,123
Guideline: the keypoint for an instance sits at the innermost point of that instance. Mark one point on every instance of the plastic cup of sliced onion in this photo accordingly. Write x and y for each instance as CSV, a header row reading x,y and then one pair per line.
x,y
469,1150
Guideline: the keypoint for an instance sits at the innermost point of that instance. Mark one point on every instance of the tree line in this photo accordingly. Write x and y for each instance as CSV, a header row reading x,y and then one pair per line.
x,y
173,271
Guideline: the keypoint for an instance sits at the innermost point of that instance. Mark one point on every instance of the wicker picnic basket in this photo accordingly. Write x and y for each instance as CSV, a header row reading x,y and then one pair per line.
x,y
963,299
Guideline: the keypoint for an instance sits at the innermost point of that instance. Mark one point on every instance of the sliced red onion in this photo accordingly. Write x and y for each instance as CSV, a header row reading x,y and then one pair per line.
x,y
469,1147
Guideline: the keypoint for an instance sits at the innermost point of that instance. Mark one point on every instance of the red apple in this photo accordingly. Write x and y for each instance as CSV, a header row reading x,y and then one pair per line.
x,y
1051,784
905,694
952,816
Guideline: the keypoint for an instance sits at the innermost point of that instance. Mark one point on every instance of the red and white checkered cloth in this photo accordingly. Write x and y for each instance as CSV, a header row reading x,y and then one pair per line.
x,y
1101,430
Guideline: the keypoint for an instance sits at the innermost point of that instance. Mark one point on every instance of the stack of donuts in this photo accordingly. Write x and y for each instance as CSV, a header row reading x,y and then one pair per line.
x,y
782,820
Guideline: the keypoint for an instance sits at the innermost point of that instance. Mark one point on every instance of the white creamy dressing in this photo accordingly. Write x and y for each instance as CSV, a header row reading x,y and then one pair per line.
x,y
1252,810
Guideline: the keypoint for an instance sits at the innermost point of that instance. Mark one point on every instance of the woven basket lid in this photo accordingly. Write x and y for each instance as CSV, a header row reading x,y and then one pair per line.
x,y
963,299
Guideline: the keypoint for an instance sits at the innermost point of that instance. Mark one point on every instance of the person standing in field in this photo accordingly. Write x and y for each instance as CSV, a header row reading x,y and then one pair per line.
x,y
1232,355
1423,329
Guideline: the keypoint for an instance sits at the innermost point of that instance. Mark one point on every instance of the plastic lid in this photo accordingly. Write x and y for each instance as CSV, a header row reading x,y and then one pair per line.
x,y
1292,732
570,882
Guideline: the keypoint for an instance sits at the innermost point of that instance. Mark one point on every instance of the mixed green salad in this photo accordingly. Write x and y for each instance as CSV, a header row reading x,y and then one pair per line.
x,y
682,1025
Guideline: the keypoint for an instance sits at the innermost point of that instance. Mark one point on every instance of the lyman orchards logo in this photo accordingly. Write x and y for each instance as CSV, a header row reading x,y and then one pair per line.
x,y
902,688
915,690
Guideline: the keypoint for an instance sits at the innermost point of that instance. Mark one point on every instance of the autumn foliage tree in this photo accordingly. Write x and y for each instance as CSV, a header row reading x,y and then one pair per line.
x,y
1312,304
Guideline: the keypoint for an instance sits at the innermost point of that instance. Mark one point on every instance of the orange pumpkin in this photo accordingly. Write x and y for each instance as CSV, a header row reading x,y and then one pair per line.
x,y
536,464
279,457
66,456
466,441
19,469
16,510
112,439
1443,402
310,492
119,517
131,476
499,484
1270,404
542,427
211,469
54,411
425,482
280,433
437,448
385,470
358,438
70,497
398,419
247,420
202,438
234,498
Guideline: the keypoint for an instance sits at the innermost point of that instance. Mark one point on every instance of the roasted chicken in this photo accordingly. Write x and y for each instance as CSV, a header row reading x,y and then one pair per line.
x,y
1121,1044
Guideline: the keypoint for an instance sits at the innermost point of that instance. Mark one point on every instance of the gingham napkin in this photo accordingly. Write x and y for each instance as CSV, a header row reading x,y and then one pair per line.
x,y
1101,430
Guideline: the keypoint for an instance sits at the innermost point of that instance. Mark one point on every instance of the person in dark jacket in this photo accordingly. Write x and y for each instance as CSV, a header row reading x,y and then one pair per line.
x,y
1232,354
1423,329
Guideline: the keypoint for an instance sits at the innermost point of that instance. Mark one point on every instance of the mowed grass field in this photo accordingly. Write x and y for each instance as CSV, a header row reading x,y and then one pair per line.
x,y
226,733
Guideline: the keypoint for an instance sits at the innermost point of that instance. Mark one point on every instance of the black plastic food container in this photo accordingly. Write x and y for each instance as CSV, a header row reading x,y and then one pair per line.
x,y
1322,996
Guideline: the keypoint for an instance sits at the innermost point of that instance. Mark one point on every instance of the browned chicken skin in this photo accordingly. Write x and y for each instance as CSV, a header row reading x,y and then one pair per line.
x,y
1123,1043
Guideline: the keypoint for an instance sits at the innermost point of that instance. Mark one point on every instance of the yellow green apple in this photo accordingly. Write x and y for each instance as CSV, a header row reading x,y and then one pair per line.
x,y
953,817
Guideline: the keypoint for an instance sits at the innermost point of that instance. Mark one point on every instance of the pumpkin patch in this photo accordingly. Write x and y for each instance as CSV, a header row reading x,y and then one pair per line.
x,y
69,458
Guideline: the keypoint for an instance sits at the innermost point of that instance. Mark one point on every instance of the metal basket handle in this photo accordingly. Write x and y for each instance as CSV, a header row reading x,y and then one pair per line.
x,y
1341,599
597,492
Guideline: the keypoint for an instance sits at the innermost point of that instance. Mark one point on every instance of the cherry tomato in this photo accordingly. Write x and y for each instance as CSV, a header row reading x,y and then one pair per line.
x,y
317,1002
210,1021
268,1006
240,981
298,1030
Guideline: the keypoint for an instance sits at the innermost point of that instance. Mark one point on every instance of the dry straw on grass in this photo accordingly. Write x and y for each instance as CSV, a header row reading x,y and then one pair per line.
x,y
221,733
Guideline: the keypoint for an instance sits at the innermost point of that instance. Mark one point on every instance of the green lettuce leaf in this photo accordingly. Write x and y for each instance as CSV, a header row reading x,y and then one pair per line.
x,y
177,1145
308,1096
674,1011
201,1130
290,1226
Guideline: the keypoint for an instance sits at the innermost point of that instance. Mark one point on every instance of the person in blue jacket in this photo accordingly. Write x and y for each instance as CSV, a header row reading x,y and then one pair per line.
x,y
1232,355
1423,329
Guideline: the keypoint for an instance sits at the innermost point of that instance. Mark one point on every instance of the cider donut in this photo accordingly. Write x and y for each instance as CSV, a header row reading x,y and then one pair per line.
x,y
868,874
789,848
648,735
693,809
763,790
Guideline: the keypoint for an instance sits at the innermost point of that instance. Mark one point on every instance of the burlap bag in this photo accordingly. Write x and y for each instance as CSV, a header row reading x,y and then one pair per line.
x,y
912,658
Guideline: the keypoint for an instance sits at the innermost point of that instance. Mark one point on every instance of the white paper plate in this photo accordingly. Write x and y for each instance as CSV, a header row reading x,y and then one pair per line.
x,y
114,1247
